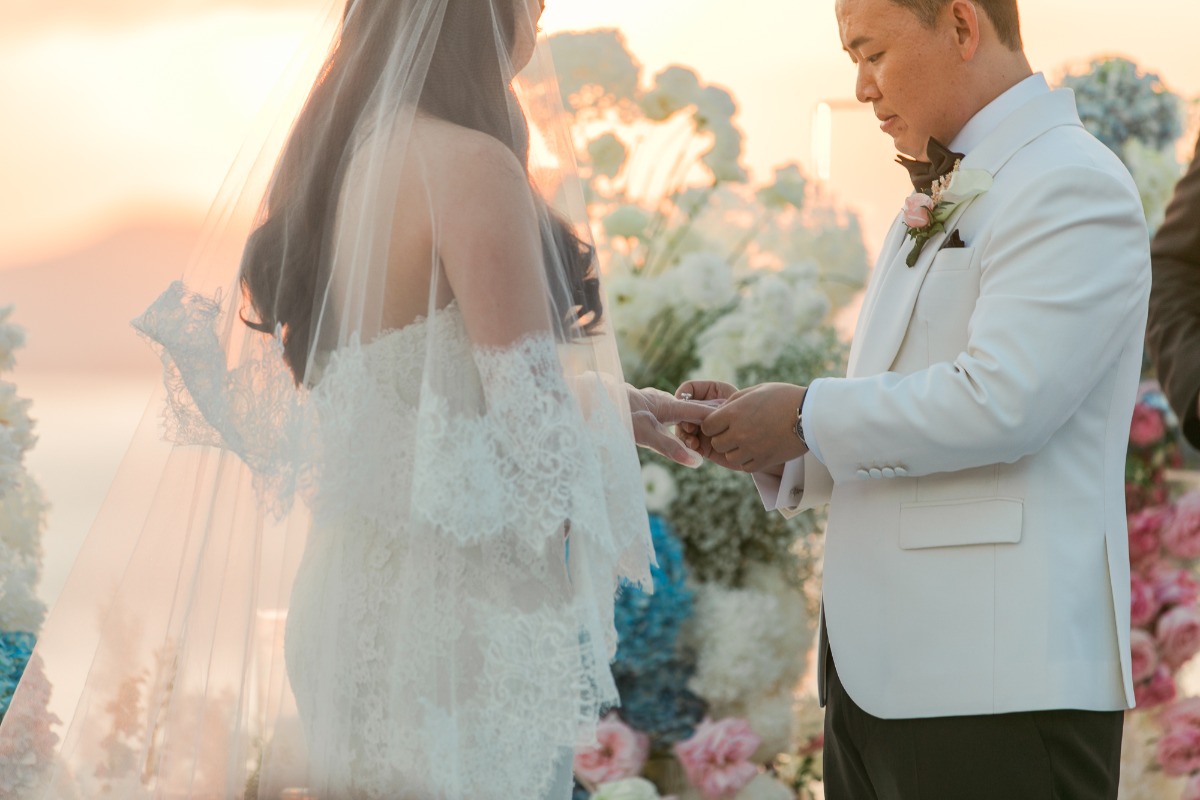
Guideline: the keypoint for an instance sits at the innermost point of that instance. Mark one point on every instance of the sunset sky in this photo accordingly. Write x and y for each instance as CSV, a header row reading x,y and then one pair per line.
x,y
124,115
124,110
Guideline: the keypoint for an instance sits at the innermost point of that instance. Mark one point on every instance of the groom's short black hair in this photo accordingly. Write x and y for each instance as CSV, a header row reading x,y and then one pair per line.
x,y
1003,14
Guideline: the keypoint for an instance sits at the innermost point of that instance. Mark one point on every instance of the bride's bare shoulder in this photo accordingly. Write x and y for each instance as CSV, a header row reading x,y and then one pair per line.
x,y
468,167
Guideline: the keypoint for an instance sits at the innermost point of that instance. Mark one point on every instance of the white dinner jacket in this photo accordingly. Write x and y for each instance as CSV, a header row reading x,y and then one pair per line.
x,y
976,552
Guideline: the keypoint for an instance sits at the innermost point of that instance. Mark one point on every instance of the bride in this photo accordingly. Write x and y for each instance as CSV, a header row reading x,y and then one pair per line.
x,y
381,556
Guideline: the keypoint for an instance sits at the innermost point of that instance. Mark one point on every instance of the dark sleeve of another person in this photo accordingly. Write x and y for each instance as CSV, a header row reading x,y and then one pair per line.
x,y
1173,332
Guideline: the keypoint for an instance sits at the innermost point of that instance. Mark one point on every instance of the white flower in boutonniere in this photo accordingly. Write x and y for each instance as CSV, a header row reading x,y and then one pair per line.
x,y
925,215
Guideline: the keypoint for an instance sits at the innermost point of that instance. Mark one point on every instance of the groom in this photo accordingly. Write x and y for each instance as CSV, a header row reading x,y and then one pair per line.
x,y
975,638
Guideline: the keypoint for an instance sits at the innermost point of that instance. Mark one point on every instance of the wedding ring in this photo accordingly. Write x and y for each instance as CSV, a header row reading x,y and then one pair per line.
x,y
685,395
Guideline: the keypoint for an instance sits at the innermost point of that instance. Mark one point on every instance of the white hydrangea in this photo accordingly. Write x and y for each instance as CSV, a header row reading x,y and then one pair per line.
x,y
607,153
660,487
675,88
704,280
1155,172
22,518
11,338
714,107
788,189
596,58
750,641
723,159
626,220
627,789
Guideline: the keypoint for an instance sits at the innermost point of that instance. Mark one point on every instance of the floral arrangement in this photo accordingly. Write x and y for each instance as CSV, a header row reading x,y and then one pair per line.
x,y
1140,120
22,519
925,215
1163,733
709,275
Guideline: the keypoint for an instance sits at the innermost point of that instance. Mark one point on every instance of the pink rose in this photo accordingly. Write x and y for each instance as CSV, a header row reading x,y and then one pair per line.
x,y
1143,604
918,210
1147,426
1178,751
1175,587
620,752
1191,790
1181,536
1144,653
1158,690
1178,633
1145,528
717,757
1183,713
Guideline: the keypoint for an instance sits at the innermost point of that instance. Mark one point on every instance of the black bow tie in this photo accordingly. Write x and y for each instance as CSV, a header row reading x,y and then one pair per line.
x,y
940,164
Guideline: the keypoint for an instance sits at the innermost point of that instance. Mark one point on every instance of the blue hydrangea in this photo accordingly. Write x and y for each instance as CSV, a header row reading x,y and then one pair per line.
x,y
1118,102
652,669
15,650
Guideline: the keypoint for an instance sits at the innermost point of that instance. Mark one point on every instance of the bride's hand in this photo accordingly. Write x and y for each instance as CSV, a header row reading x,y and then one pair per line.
x,y
652,411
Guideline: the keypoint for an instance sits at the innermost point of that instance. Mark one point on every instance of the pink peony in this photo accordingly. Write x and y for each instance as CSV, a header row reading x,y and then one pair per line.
x,y
1183,713
1147,426
1158,690
1178,751
1175,587
917,210
1178,632
1181,536
620,752
1143,604
717,757
1144,652
1191,790
1145,528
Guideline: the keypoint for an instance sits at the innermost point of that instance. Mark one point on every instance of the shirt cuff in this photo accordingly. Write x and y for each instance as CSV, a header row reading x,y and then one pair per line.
x,y
809,433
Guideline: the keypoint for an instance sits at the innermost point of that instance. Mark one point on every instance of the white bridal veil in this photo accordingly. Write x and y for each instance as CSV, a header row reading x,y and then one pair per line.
x,y
376,554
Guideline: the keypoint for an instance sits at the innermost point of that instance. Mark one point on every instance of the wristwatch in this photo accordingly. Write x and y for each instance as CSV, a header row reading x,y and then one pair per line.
x,y
799,429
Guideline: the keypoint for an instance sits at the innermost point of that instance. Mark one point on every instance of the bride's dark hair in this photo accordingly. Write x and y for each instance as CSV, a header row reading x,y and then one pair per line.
x,y
285,264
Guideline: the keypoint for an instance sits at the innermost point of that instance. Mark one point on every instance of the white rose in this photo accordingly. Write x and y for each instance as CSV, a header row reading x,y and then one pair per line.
x,y
628,220
965,184
607,154
627,789
660,488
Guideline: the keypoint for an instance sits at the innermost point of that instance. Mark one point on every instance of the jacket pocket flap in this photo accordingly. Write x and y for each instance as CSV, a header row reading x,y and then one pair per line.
x,y
955,523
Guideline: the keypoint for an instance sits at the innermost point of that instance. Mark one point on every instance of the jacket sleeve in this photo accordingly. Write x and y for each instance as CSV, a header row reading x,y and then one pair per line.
x,y
1173,332
1064,282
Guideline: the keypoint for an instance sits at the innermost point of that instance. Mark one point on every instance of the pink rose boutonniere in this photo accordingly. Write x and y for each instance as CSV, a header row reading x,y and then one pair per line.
x,y
925,215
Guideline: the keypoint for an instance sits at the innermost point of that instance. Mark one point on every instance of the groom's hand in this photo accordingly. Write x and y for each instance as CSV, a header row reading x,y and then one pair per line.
x,y
714,393
755,429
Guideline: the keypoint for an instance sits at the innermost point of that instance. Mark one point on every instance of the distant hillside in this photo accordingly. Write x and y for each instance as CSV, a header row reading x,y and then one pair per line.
x,y
76,308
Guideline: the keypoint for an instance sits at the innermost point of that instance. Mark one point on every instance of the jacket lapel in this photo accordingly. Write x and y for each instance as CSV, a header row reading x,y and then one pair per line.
x,y
888,306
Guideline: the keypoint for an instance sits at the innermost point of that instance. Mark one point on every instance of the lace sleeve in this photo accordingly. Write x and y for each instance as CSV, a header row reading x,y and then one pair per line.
x,y
254,410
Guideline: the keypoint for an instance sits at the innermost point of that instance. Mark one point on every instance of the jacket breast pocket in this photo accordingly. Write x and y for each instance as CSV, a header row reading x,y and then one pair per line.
x,y
960,523
952,259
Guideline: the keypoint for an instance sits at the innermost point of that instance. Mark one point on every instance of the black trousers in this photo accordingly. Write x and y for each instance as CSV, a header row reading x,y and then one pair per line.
x,y
1034,755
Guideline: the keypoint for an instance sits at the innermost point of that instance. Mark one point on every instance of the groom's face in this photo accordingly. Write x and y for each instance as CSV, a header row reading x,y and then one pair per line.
x,y
906,70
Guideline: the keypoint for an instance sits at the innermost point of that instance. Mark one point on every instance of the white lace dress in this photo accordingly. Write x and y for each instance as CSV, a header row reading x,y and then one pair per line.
x,y
441,638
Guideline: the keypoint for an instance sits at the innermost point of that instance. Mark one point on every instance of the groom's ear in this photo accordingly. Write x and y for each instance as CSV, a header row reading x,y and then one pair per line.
x,y
965,17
